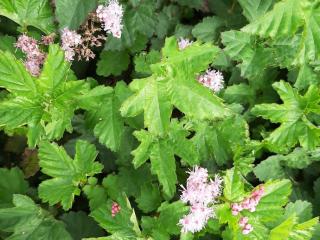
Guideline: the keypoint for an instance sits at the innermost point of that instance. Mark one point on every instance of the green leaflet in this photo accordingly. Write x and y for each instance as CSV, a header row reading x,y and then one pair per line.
x,y
26,220
47,104
36,13
173,83
67,175
292,114
253,10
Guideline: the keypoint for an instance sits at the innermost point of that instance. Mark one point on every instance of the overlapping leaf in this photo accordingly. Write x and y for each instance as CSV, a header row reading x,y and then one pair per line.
x,y
67,174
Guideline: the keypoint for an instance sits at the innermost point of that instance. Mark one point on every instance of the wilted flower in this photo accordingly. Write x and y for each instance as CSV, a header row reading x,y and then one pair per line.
x,y
69,41
111,17
47,40
183,43
200,194
212,79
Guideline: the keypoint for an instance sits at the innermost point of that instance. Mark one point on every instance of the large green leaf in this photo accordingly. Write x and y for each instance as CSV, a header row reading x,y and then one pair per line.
x,y
233,185
11,182
253,10
68,175
26,220
112,63
36,13
72,13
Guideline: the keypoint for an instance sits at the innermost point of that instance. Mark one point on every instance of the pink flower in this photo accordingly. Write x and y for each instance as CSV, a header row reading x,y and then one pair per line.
x,y
69,41
111,17
34,56
47,40
212,79
246,227
115,209
183,43
201,194
236,208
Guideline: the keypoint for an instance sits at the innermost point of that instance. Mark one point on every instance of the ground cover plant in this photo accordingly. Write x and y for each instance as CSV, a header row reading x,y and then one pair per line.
x,y
159,120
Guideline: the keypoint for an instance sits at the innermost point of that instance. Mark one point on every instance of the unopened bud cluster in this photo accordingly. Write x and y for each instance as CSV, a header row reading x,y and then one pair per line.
x,y
115,209
250,203
200,194
246,227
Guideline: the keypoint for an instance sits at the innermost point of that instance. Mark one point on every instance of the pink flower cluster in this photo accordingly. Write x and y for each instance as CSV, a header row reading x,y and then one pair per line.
x,y
115,209
249,203
183,43
69,41
200,194
246,227
212,79
111,17
34,56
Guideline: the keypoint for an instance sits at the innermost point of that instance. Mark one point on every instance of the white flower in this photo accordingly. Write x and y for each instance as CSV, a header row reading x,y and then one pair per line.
x,y
69,40
111,17
212,79
183,43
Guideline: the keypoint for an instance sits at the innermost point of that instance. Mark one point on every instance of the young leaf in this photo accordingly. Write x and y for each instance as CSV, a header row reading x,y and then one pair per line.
x,y
233,185
68,175
26,220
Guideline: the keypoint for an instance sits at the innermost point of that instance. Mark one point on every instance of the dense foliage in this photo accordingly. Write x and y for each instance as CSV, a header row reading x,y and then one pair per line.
x,y
108,110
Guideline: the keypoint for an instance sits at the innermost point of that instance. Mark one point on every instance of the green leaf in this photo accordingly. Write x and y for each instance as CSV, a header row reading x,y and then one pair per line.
x,y
302,209
47,104
270,169
253,10
143,61
104,116
283,230
36,13
124,220
73,13
233,185
7,43
11,182
241,46
166,223
67,174
142,18
275,196
149,199
240,93
174,83
26,220
112,63
163,164
292,114
208,29
80,225
14,76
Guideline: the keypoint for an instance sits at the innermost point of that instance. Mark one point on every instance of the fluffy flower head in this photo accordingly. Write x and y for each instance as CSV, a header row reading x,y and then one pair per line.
x,y
111,17
212,79
69,41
